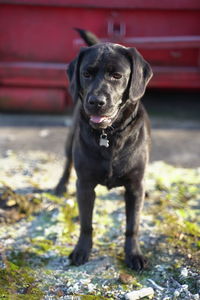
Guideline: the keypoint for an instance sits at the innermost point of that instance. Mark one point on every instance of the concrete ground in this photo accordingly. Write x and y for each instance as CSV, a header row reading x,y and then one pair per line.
x,y
174,143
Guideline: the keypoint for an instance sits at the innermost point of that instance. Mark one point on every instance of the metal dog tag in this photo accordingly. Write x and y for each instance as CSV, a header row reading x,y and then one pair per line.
x,y
104,140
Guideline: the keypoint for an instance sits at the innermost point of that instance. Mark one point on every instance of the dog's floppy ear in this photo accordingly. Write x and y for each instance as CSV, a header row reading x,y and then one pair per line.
x,y
73,75
140,75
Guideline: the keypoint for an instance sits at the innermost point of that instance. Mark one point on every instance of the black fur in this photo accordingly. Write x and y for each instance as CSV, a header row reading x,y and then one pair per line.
x,y
106,82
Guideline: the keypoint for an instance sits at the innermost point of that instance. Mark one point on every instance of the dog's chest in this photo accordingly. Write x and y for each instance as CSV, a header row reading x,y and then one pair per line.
x,y
114,166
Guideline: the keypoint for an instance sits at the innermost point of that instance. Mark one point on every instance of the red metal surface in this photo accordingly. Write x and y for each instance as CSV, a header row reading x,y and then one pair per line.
x,y
37,41
32,100
33,74
113,4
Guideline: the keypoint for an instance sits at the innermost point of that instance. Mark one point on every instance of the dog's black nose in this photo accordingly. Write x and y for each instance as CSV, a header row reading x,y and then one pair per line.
x,y
96,101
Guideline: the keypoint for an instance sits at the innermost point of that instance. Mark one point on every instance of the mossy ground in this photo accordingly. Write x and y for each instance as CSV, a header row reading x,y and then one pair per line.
x,y
35,245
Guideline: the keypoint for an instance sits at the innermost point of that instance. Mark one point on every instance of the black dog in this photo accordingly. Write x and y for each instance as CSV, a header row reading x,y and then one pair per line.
x,y
110,137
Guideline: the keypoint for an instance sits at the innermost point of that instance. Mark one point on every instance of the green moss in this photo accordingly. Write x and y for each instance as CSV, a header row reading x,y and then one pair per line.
x,y
62,250
18,283
68,217
53,198
68,213
27,258
41,246
174,195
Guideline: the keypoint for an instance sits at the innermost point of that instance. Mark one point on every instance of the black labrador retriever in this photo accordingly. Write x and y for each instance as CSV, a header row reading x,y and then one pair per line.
x,y
110,139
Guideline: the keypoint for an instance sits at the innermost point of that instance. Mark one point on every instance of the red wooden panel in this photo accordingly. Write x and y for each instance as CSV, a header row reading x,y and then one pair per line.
x,y
171,57
175,78
35,100
45,34
33,74
37,41
136,4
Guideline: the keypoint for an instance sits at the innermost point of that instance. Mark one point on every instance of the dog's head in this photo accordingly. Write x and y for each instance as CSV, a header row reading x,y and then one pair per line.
x,y
104,77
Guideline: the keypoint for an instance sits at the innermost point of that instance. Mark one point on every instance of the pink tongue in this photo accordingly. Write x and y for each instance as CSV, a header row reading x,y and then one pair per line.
x,y
97,119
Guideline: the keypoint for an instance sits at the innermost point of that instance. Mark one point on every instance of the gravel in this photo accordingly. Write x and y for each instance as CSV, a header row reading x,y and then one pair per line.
x,y
35,248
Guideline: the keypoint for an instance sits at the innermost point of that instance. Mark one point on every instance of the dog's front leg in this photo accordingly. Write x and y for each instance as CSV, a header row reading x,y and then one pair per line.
x,y
85,197
134,196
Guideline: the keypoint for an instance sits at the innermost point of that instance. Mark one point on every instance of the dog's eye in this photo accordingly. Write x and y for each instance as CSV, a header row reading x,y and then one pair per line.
x,y
116,75
86,74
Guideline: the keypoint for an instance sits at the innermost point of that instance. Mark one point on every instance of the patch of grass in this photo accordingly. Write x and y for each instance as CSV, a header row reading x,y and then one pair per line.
x,y
28,259
174,197
41,246
68,214
18,283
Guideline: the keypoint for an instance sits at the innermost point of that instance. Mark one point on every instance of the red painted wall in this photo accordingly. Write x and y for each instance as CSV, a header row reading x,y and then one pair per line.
x,y
37,41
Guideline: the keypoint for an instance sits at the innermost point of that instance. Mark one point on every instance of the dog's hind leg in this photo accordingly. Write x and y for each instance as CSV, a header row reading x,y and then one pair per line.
x,y
61,187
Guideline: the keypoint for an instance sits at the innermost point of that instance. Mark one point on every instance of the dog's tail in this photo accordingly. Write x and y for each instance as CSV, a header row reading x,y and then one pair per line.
x,y
88,37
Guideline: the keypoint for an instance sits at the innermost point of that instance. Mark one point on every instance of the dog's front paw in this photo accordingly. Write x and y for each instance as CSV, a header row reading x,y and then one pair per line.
x,y
135,261
81,252
79,256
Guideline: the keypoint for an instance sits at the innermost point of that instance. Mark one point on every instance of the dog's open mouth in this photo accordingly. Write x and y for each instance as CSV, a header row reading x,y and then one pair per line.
x,y
102,121
99,119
